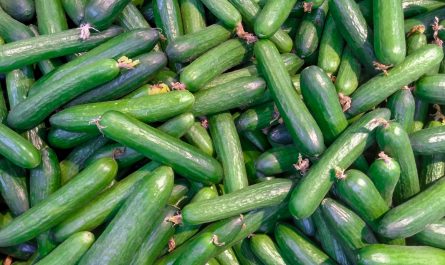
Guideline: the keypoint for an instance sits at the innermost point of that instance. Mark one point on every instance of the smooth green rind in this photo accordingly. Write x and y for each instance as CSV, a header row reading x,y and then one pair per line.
x,y
272,16
131,18
13,188
385,174
431,88
277,160
66,139
266,250
17,149
100,14
330,48
193,15
227,257
402,106
348,76
244,253
428,141
415,41
50,16
75,9
224,11
433,235
199,137
22,10
420,114
12,30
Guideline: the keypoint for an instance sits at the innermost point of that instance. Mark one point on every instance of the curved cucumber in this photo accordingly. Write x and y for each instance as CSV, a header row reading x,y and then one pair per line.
x,y
431,88
428,141
402,106
12,30
331,47
272,16
348,76
277,160
433,235
265,249
193,15
385,173
102,13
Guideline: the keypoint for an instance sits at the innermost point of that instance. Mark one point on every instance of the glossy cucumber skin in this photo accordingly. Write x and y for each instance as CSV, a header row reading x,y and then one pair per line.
x,y
297,249
348,75
257,118
279,135
415,41
272,16
17,149
18,83
126,232
420,114
310,191
306,226
402,106
380,254
322,100
101,13
50,16
432,166
257,138
416,7
131,18
392,138
66,139
431,88
193,15
433,235
302,126
244,253
381,87
227,257
228,148
22,10
266,250
13,188
70,251
213,63
125,157
331,47
385,174
428,141
425,19
277,160
252,197
35,49
23,116
389,35
186,160
190,46
59,204
199,137
412,216
75,9
224,11
236,93
167,15
310,31
11,29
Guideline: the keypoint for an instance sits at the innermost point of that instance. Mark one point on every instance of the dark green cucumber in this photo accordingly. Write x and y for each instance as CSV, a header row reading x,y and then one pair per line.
x,y
306,226
199,137
389,37
257,118
302,126
272,16
412,216
392,139
22,10
348,76
426,20
252,197
297,249
17,149
100,14
50,16
13,188
120,240
18,83
224,11
131,18
228,149
75,9
420,114
3,107
244,253
433,235
321,98
431,88
382,86
351,230
428,141
70,251
354,29
385,173
234,94
277,160
60,204
148,66
213,63
193,15
257,138
190,46
124,157
12,30
63,139
167,16
266,250
361,163
402,106
310,31
227,257
432,166
380,254
357,191
311,190
279,135
415,41
416,7
330,48
186,160
45,66
166,76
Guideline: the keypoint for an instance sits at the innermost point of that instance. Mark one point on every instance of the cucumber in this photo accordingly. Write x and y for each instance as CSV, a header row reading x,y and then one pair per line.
x,y
420,114
357,190
75,9
13,188
402,106
120,240
60,204
45,66
131,18
244,253
22,10
310,31
330,48
279,135
426,20
234,94
306,226
190,46
411,217
70,251
348,76
167,16
266,250
258,139
227,257
381,87
277,160
416,7
433,166
428,141
321,98
228,149
213,63
431,88
3,107
302,126
224,11
186,160
193,15
100,14
297,249
311,190
380,254
389,38
199,137
433,235
50,16
125,157
272,16
392,138
257,118
18,83
385,173
355,31
252,197
416,40
12,30
361,164
351,230
63,139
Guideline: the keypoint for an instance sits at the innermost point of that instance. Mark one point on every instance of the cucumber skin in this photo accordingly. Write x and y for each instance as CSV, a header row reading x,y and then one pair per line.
x,y
59,204
167,16
432,166
272,16
385,176
22,10
12,30
186,160
431,88
199,137
50,16
348,75
330,48
131,18
102,13
266,250
244,253
342,153
227,257
425,19
257,118
428,141
13,188
433,235
381,87
66,139
299,121
193,15
75,9
402,106
277,160
415,41
224,11
420,114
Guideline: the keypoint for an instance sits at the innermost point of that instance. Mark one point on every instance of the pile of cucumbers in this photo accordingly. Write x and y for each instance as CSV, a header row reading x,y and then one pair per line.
x,y
222,132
